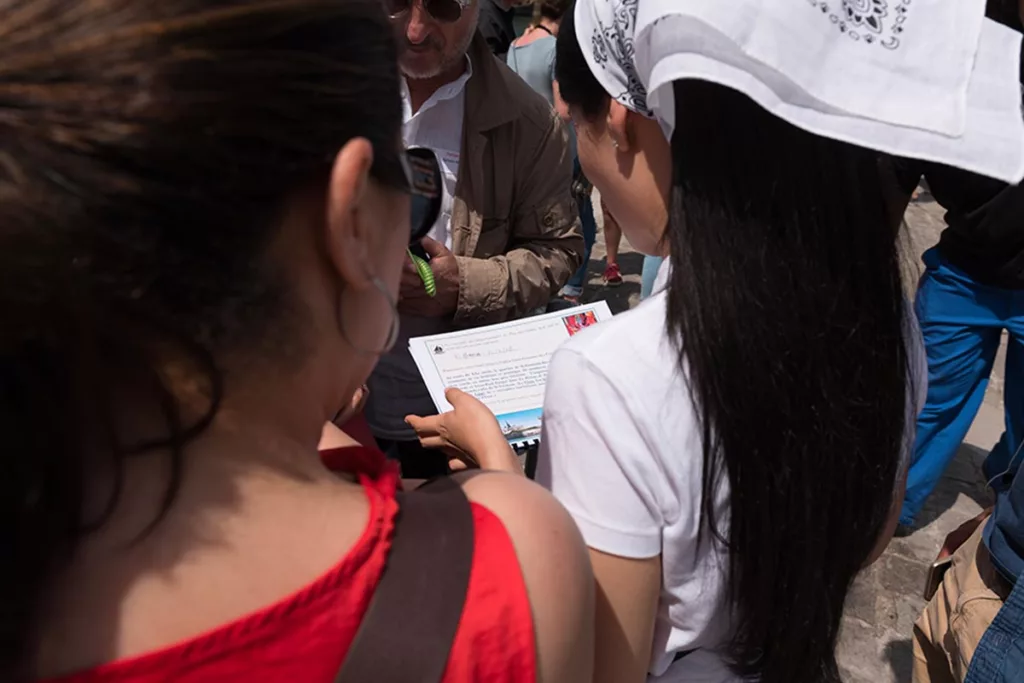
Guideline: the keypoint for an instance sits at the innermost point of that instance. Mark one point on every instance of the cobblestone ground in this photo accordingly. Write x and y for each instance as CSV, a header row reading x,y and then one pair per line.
x,y
886,599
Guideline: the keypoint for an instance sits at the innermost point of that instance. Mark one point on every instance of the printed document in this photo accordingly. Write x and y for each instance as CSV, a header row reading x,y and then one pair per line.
x,y
503,365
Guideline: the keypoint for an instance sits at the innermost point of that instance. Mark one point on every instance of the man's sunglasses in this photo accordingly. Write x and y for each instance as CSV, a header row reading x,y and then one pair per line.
x,y
446,11
427,189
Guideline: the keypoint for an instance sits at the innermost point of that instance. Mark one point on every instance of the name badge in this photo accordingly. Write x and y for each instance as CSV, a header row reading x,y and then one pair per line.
x,y
449,161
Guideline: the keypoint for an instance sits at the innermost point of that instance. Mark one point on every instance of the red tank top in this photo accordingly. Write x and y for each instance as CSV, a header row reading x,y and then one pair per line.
x,y
304,637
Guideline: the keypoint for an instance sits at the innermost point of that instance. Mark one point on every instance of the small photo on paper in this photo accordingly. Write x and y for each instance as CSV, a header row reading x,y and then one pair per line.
x,y
524,424
577,321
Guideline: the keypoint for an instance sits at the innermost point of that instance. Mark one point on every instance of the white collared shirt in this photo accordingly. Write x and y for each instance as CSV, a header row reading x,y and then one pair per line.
x,y
621,449
438,127
396,388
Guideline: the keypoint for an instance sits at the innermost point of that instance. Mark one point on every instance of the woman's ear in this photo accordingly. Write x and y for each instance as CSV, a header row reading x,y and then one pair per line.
x,y
346,229
618,125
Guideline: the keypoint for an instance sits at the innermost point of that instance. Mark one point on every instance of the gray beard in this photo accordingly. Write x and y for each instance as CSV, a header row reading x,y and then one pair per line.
x,y
444,64
424,75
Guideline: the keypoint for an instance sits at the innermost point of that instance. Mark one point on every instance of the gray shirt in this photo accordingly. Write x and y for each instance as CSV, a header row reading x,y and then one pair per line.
x,y
535,64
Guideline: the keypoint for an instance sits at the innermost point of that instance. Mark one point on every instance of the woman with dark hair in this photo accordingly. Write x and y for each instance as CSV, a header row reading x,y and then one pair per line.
x,y
204,211
532,55
736,448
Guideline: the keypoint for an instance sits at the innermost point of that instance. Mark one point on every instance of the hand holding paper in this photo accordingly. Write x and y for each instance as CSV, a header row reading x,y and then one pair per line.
x,y
503,366
469,433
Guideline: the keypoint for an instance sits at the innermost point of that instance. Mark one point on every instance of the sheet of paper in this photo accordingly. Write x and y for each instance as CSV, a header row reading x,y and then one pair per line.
x,y
503,365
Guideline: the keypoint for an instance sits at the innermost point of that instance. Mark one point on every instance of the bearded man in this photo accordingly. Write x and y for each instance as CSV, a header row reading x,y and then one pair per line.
x,y
507,237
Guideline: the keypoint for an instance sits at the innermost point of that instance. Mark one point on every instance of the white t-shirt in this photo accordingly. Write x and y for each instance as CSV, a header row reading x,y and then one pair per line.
x,y
621,450
437,125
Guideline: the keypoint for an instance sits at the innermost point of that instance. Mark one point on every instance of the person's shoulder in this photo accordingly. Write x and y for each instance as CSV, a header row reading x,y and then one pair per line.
x,y
624,367
527,510
488,10
501,98
542,45
555,568
532,109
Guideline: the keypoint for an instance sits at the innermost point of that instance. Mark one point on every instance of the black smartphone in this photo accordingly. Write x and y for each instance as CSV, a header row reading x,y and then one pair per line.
x,y
426,185
418,250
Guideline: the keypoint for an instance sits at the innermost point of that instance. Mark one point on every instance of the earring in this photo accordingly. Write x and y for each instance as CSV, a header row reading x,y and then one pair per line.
x,y
615,143
392,332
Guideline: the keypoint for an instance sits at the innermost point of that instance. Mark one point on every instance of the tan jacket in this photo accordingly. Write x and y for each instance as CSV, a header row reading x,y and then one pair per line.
x,y
515,229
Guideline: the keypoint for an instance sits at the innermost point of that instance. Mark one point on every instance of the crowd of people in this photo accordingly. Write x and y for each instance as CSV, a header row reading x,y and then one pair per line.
x,y
218,222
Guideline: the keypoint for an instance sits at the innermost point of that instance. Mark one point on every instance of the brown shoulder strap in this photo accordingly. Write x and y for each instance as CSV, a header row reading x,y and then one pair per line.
x,y
408,630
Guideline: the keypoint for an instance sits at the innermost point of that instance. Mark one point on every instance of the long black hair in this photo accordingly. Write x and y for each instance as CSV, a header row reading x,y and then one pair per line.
x,y
1006,12
785,302
146,152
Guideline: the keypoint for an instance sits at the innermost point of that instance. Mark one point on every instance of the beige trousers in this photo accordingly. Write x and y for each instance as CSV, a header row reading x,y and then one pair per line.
x,y
950,628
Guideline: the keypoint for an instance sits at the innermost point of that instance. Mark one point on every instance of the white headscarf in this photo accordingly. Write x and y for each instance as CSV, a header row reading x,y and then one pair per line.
x,y
605,34
929,79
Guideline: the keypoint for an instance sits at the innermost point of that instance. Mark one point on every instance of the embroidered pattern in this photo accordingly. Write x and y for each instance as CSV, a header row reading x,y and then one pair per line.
x,y
871,21
614,51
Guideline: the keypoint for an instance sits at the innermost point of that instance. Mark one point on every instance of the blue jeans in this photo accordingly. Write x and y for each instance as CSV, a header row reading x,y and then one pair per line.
x,y
649,275
962,321
574,287
1000,654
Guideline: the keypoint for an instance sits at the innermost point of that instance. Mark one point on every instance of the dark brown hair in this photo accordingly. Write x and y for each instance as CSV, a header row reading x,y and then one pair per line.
x,y
549,9
145,151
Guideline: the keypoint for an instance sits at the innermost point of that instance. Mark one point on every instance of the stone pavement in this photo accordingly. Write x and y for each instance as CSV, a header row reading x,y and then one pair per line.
x,y
626,295
875,644
886,599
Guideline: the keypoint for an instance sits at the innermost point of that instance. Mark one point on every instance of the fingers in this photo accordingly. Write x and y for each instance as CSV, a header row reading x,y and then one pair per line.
x,y
434,442
410,281
468,404
428,431
424,425
433,247
412,297
438,443
456,396
467,460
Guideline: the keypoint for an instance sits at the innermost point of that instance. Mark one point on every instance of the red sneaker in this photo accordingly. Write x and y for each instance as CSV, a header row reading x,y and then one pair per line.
x,y
612,277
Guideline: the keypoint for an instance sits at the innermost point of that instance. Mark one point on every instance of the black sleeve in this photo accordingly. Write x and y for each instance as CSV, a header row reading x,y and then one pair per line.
x,y
906,173
490,36
492,28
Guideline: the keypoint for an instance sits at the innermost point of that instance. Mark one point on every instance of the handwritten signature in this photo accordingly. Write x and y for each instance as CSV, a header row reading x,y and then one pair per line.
x,y
466,355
